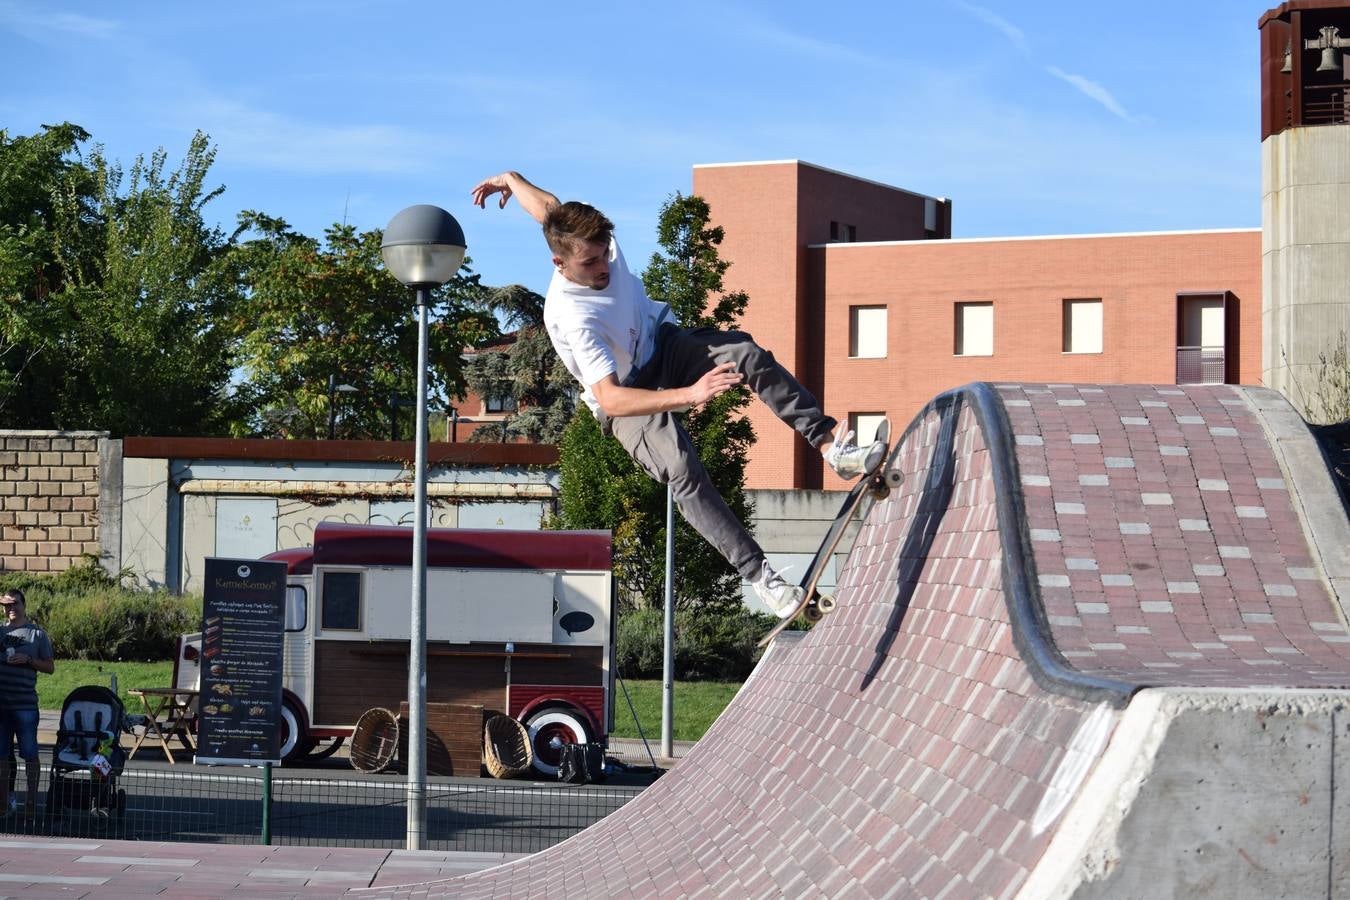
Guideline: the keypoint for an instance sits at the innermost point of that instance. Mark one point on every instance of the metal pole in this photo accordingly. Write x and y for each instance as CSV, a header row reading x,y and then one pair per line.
x,y
332,410
267,804
417,646
668,668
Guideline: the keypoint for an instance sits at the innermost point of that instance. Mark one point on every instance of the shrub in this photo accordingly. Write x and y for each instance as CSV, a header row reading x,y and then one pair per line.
x,y
88,615
115,623
709,646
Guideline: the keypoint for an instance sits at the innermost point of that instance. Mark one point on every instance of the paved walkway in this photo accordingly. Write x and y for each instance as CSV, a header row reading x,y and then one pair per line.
x,y
31,868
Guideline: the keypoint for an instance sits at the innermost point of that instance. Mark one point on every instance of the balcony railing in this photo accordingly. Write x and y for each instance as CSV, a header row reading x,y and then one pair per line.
x,y
1335,111
1200,365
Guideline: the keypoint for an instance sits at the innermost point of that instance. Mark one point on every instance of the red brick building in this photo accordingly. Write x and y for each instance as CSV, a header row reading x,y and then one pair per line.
x,y
858,289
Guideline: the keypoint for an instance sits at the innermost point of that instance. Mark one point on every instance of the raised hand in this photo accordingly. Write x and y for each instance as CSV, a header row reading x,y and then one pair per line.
x,y
715,381
497,184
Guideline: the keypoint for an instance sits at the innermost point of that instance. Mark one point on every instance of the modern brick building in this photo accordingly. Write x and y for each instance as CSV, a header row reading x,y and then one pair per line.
x,y
858,289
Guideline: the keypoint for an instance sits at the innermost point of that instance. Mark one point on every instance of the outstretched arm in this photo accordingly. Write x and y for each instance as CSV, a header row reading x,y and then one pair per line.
x,y
534,200
617,400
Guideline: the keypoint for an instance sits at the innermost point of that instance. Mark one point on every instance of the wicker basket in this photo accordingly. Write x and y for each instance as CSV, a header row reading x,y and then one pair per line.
x,y
374,740
506,747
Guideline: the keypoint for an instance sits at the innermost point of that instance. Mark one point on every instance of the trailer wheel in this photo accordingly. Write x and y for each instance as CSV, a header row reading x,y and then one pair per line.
x,y
550,730
295,743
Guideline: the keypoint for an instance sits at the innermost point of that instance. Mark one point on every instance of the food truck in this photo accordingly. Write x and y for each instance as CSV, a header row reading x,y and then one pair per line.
x,y
517,622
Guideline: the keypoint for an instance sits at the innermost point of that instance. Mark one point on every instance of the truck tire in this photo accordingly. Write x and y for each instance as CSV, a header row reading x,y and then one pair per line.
x,y
295,742
549,730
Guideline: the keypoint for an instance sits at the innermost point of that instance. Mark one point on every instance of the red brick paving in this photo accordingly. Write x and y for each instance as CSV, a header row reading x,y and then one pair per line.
x,y
901,748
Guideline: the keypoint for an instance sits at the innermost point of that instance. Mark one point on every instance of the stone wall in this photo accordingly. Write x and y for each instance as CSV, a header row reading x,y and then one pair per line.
x,y
49,485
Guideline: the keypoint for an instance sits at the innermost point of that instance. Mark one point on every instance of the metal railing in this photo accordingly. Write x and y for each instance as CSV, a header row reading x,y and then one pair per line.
x,y
1200,365
331,809
1335,111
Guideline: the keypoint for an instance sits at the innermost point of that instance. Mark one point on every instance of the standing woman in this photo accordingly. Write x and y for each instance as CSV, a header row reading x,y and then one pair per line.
x,y
27,651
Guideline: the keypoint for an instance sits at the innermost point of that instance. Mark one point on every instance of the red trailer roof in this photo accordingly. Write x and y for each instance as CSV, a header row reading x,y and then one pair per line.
x,y
337,543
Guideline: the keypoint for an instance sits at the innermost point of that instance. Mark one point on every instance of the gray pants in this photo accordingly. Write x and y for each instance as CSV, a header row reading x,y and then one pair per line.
x,y
661,446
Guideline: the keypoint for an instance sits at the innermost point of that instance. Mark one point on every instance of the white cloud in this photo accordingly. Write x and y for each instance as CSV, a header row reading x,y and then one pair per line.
x,y
998,23
1018,37
270,140
771,33
1093,90
42,26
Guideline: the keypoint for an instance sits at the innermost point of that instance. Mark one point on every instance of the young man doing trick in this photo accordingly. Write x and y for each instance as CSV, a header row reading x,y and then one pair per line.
x,y
638,368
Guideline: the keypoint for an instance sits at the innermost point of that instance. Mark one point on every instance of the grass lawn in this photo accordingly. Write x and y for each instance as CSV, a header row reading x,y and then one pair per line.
x,y
72,673
697,704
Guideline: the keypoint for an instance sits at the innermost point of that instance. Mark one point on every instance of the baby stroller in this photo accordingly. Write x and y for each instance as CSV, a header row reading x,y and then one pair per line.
x,y
88,758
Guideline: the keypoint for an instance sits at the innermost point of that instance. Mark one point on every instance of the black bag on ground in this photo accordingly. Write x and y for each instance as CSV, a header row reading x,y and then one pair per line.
x,y
582,763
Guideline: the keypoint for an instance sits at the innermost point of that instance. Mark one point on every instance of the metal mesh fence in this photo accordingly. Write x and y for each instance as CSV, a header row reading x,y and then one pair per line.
x,y
187,803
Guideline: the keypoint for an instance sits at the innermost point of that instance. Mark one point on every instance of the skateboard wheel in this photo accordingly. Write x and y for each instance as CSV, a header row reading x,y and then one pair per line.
x,y
812,614
894,478
825,604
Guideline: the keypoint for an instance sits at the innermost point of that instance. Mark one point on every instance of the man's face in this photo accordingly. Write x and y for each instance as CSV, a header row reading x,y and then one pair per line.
x,y
12,610
586,264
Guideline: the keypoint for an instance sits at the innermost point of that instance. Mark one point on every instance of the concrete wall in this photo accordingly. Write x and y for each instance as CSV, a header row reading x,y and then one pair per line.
x,y
49,482
1305,252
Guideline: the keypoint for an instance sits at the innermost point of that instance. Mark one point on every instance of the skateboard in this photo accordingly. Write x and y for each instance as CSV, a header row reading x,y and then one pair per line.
x,y
874,485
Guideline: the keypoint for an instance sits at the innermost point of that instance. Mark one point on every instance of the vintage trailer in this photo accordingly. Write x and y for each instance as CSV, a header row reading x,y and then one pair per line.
x,y
518,622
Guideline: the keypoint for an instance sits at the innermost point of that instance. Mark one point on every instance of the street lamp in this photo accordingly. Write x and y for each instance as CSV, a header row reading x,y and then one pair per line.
x,y
423,247
333,390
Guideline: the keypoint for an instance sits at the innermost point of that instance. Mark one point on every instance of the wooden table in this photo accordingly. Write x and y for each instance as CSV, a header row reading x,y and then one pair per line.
x,y
176,707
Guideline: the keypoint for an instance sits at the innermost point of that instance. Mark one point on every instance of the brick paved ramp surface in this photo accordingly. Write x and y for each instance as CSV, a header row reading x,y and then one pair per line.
x,y
1092,647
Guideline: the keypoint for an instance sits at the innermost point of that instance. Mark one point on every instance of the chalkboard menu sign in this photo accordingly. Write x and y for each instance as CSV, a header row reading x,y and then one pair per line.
x,y
243,621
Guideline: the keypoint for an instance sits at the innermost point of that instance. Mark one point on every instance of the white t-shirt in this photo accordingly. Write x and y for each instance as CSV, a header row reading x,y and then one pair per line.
x,y
599,332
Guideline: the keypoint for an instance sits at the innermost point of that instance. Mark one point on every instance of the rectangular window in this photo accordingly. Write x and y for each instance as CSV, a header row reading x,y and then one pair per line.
x,y
500,404
843,233
341,594
296,608
1082,326
975,329
866,332
864,425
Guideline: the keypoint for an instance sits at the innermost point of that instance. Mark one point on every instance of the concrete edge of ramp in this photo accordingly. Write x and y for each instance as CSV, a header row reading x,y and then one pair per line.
x,y
1314,494
1263,764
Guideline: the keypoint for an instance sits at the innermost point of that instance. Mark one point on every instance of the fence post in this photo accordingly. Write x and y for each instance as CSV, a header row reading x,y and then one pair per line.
x,y
267,804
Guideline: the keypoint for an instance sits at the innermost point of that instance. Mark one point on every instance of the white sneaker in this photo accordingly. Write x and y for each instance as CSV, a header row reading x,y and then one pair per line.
x,y
778,595
848,459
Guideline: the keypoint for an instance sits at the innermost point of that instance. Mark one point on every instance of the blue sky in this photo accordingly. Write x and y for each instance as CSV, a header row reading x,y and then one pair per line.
x,y
1049,117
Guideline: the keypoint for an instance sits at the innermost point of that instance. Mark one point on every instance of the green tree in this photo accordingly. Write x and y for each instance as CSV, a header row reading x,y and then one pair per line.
x,y
528,371
601,487
115,296
317,309
32,170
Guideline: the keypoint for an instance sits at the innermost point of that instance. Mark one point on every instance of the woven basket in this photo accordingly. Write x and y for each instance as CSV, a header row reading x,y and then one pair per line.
x,y
506,747
374,740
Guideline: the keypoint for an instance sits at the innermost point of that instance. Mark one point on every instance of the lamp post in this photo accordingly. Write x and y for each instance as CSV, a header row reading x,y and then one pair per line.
x,y
333,390
423,247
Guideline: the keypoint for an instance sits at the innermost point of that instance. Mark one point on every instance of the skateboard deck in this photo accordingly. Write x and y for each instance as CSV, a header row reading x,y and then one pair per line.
x,y
873,485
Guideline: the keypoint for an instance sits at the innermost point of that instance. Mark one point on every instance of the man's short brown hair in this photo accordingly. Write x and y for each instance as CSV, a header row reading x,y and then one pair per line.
x,y
569,224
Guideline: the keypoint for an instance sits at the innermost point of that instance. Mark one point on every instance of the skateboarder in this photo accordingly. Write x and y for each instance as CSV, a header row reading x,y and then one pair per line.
x,y
638,368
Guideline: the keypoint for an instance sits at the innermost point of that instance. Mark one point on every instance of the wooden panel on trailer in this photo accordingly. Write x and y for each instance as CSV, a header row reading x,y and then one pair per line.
x,y
352,676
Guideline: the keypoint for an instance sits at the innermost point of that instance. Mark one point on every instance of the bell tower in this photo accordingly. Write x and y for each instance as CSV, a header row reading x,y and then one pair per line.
x,y
1305,202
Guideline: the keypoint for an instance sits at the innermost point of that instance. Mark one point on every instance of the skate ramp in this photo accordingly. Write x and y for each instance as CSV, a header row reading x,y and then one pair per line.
x,y
1091,648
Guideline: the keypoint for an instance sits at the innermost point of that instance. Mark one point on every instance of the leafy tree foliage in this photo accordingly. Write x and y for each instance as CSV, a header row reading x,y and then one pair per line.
x,y
113,295
601,487
528,371
319,309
